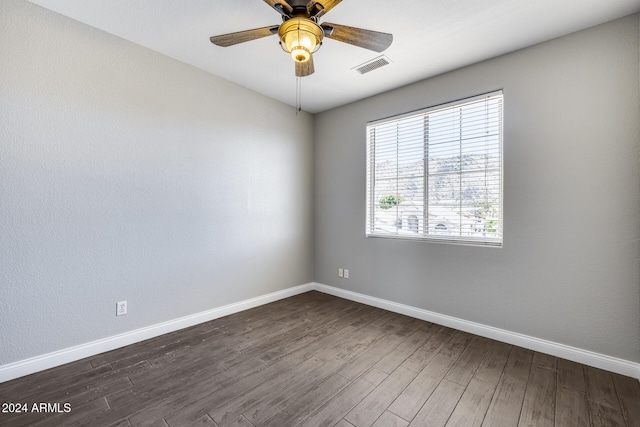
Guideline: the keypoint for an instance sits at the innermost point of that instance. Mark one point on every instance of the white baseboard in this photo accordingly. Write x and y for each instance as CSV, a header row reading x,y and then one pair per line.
x,y
40,363
612,364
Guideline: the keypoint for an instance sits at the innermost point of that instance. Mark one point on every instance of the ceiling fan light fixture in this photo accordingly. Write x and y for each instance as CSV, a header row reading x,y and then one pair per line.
x,y
300,37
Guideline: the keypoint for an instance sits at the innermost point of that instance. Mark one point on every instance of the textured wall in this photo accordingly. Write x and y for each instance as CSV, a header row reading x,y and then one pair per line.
x,y
569,269
125,175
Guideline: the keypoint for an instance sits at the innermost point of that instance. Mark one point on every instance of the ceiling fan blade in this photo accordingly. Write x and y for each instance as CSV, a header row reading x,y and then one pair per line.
x,y
304,69
230,39
372,40
281,6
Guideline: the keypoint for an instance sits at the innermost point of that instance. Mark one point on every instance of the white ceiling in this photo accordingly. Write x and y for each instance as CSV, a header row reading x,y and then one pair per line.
x,y
430,37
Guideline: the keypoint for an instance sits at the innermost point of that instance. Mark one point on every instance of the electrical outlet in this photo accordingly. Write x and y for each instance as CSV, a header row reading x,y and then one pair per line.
x,y
121,308
340,272
346,273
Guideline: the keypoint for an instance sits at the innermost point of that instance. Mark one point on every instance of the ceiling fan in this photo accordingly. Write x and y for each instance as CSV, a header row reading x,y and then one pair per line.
x,y
301,35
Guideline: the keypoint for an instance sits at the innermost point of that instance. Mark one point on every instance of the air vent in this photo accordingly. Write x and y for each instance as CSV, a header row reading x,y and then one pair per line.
x,y
374,64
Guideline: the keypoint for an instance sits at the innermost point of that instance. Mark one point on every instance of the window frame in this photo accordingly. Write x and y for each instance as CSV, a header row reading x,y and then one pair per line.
x,y
425,235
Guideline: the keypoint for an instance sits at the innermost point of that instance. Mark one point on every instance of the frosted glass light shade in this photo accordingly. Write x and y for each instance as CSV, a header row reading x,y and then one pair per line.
x,y
300,37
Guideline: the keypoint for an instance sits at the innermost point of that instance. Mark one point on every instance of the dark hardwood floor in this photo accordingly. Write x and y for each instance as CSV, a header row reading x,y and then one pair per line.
x,y
317,360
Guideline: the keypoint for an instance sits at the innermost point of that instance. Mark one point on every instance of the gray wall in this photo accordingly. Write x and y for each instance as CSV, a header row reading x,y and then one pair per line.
x,y
569,268
125,175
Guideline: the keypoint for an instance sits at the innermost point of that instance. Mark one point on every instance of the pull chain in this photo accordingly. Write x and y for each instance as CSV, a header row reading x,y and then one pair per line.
x,y
298,95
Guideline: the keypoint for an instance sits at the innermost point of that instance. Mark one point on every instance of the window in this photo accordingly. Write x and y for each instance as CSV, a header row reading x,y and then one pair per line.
x,y
436,174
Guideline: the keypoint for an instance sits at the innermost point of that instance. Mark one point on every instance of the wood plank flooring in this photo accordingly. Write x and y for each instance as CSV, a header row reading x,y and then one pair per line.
x,y
318,360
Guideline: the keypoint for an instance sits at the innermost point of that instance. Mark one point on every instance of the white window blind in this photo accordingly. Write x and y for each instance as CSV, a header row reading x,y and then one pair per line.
x,y
436,174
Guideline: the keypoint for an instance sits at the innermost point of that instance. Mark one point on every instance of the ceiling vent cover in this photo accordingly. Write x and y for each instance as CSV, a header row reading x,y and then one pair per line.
x,y
374,64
